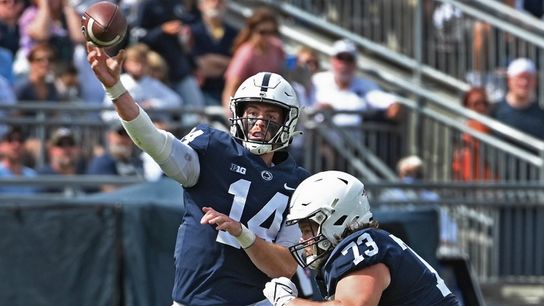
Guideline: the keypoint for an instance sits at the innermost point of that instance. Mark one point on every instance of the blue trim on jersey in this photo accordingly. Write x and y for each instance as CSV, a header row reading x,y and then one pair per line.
x,y
209,272
412,282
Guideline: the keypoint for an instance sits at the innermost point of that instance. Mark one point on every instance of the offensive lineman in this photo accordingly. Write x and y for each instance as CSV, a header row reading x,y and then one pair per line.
x,y
357,263
233,237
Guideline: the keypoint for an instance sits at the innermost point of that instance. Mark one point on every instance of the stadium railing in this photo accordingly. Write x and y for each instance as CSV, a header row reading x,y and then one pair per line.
x,y
498,226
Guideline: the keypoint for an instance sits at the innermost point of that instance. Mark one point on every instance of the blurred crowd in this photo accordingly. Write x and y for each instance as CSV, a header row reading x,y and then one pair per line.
x,y
179,53
184,54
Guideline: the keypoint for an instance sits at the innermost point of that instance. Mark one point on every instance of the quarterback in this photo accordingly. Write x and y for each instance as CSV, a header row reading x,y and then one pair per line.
x,y
233,237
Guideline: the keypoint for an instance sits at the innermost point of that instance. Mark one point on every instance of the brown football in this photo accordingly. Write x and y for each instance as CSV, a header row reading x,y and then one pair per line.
x,y
103,24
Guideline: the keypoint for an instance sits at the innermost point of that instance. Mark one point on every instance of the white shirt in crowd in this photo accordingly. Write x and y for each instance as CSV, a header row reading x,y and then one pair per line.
x,y
362,95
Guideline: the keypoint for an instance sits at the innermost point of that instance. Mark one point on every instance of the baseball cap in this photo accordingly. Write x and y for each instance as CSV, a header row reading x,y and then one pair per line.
x,y
344,46
62,136
409,162
521,65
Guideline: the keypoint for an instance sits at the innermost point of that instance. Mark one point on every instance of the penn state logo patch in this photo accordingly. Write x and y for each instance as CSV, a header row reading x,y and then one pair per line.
x,y
267,175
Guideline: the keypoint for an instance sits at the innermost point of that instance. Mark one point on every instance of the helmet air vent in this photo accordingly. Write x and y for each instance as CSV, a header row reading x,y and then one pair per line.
x,y
340,220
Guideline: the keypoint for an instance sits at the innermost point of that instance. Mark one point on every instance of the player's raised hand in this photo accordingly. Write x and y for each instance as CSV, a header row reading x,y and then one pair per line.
x,y
107,69
280,291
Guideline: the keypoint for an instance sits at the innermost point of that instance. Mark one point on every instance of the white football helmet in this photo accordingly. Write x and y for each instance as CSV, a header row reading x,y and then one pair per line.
x,y
265,87
335,201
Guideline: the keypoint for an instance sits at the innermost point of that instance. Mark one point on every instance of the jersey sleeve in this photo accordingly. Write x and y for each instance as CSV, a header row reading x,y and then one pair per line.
x,y
198,138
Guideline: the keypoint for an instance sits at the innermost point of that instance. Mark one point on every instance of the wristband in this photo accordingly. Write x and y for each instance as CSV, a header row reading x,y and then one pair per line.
x,y
115,91
247,238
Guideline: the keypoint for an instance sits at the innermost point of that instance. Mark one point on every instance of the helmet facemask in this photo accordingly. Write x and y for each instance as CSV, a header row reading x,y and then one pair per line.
x,y
276,135
313,251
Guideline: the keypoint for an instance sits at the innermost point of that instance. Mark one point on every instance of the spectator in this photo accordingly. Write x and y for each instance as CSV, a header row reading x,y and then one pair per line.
x,y
492,49
307,64
67,83
256,48
519,109
54,22
39,84
12,154
119,157
410,171
64,158
158,69
340,89
468,164
148,92
10,10
308,58
91,90
211,45
358,263
163,26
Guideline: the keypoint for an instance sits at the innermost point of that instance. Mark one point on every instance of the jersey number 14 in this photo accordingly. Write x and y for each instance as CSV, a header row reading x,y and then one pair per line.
x,y
276,206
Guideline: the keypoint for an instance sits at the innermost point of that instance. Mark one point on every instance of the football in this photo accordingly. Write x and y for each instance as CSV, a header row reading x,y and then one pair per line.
x,y
103,24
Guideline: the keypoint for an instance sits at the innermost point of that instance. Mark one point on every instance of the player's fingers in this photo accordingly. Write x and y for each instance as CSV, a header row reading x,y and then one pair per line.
x,y
204,219
90,56
99,52
94,64
207,209
222,227
120,57
90,47
217,220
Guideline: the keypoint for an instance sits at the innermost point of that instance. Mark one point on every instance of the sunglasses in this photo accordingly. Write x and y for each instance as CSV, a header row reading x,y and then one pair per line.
x,y
43,59
10,2
65,143
14,139
267,32
311,62
478,103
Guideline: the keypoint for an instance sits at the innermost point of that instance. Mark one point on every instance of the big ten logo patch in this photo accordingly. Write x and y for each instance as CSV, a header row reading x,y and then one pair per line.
x,y
237,169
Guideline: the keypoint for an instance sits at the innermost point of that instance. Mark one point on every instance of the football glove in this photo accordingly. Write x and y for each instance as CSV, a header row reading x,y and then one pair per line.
x,y
279,291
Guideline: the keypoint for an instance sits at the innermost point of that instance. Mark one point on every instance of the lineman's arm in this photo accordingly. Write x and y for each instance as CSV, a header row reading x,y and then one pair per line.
x,y
177,160
363,288
272,259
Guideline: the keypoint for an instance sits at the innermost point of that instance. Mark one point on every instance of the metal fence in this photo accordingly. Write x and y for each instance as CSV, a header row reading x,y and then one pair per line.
x,y
451,150
498,226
